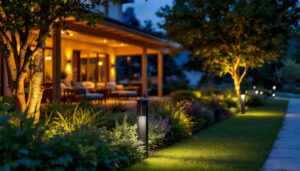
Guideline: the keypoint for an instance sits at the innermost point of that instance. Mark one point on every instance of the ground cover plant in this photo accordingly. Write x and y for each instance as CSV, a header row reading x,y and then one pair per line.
x,y
239,143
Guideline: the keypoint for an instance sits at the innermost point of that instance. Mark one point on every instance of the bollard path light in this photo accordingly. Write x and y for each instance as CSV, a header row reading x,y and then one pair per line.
x,y
243,101
142,122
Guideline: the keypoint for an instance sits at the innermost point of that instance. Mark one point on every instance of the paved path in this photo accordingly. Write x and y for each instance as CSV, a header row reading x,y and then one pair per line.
x,y
285,154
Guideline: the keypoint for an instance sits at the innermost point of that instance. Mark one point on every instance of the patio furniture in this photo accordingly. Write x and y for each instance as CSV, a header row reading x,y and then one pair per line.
x,y
117,91
83,93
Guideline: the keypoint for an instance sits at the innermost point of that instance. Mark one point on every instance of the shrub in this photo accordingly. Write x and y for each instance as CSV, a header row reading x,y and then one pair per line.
x,y
199,111
82,117
181,123
220,111
23,148
109,120
116,108
124,138
180,95
158,130
255,100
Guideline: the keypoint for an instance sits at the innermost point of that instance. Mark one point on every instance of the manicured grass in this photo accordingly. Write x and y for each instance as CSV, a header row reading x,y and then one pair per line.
x,y
239,143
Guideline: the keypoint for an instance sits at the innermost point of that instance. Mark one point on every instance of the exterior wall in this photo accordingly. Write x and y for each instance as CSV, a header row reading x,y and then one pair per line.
x,y
67,47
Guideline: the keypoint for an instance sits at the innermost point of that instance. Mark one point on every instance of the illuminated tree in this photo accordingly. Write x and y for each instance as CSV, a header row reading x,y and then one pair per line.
x,y
24,27
232,36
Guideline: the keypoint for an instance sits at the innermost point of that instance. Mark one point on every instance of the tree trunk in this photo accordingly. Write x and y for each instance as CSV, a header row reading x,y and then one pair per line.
x,y
19,95
36,88
236,86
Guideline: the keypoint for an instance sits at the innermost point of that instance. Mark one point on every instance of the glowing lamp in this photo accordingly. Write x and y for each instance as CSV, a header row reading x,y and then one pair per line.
x,y
243,101
100,63
256,91
273,95
128,59
274,87
48,58
261,92
142,122
254,87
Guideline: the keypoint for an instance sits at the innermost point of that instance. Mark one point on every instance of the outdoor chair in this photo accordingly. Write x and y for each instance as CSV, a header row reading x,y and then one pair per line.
x,y
84,93
118,91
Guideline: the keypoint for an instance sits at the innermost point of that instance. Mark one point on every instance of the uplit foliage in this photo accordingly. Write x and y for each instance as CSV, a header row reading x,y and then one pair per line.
x,y
232,36
82,117
180,122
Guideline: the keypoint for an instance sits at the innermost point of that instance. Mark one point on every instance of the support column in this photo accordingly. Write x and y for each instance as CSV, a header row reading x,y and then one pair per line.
x,y
56,65
144,73
1,75
160,60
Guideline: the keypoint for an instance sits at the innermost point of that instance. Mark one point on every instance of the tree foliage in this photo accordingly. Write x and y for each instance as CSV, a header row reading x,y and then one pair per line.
x,y
24,27
232,36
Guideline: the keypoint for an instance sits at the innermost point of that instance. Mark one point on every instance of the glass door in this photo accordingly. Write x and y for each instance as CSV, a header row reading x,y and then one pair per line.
x,y
93,67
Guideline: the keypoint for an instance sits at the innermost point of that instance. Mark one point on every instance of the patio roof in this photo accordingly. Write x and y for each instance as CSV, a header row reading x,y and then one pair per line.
x,y
116,30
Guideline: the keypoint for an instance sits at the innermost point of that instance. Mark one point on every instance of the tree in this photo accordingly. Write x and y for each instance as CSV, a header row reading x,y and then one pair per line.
x,y
232,36
27,23
130,18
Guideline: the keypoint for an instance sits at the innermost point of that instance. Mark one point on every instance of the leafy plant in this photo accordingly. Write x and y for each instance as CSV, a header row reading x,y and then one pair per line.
x,y
124,138
158,129
199,112
181,123
23,147
82,117
180,95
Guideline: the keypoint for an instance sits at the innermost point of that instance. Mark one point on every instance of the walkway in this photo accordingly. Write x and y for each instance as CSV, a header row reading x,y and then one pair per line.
x,y
285,154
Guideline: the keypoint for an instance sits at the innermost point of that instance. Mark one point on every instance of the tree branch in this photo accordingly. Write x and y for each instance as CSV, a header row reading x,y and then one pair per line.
x,y
243,75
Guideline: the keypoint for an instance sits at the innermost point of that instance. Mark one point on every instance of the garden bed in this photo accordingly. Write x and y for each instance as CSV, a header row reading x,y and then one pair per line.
x,y
239,143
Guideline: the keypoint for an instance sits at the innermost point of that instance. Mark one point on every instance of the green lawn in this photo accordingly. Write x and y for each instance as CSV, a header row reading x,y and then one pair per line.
x,y
239,143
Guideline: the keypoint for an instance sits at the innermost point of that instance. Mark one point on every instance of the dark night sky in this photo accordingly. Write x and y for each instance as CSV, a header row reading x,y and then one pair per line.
x,y
146,10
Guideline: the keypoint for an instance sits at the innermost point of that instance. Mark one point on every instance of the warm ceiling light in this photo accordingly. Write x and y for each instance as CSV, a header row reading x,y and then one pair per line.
x,y
62,32
71,34
48,58
100,63
122,44
128,59
104,41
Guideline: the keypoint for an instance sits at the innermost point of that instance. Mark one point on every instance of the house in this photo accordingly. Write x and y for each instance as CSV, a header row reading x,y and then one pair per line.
x,y
82,53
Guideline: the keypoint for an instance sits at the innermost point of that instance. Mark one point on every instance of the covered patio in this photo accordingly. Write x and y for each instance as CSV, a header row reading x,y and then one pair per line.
x,y
88,54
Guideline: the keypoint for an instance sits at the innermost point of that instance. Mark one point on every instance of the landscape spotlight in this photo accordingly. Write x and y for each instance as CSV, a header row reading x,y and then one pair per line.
x,y
261,93
256,91
243,101
142,122
274,87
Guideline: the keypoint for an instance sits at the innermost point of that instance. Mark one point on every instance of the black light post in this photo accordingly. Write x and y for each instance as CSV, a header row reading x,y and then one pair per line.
x,y
243,102
142,122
